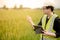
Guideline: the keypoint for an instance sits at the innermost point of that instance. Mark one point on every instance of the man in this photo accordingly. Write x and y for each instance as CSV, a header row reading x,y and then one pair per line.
x,y
50,23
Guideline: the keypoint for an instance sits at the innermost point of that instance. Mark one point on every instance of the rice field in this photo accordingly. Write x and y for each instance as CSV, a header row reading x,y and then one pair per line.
x,y
14,24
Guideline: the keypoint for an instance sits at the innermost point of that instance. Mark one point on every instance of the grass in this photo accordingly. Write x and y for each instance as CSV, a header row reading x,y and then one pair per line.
x,y
14,26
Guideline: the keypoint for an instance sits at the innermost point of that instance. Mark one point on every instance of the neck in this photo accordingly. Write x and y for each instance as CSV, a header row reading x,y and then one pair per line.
x,y
50,14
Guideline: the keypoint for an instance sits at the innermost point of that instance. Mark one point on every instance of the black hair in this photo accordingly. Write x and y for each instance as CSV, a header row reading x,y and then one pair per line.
x,y
50,7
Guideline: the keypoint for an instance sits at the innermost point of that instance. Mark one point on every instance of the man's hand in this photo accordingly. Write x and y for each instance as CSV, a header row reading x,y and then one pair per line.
x,y
30,20
46,33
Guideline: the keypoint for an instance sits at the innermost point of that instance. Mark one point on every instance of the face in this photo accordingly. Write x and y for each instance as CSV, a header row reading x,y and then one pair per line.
x,y
45,10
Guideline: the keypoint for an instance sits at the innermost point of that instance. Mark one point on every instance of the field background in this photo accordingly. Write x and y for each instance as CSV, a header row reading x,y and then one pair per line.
x,y
14,25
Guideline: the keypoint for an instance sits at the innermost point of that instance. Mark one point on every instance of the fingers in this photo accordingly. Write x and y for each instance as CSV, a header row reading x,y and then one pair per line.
x,y
29,19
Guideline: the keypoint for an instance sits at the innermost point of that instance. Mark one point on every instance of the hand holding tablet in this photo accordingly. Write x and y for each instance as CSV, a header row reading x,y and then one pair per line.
x,y
38,29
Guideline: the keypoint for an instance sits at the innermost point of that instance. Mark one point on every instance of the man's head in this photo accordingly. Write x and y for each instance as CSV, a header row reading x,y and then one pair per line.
x,y
48,9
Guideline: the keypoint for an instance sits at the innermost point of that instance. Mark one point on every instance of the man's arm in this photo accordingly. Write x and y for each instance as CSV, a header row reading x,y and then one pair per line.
x,y
30,21
37,28
49,34
56,28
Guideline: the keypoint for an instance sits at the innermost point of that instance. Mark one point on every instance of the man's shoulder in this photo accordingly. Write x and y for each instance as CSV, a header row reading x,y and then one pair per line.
x,y
57,18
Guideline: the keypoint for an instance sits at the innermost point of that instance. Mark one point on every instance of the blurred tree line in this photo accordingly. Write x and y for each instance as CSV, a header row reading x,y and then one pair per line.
x,y
15,7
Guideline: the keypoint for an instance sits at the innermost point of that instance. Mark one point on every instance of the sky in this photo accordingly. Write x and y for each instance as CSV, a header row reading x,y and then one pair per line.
x,y
28,3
